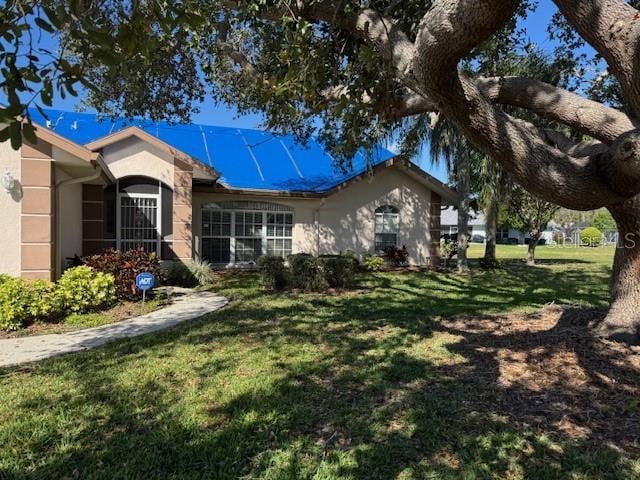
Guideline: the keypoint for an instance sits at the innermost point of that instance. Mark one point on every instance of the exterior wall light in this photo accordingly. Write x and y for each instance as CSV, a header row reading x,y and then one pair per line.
x,y
8,182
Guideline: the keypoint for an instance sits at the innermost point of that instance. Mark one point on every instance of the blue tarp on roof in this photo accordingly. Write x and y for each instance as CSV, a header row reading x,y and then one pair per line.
x,y
245,158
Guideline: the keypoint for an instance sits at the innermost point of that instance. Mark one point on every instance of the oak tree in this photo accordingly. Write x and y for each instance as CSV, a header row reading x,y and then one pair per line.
x,y
356,72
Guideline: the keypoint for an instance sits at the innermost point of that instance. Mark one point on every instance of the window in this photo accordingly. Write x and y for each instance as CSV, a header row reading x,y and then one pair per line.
x,y
248,236
242,231
216,232
279,233
386,227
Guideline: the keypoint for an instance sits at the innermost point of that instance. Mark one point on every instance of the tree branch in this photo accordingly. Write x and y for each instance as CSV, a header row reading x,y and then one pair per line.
x,y
547,101
612,27
517,145
556,104
547,163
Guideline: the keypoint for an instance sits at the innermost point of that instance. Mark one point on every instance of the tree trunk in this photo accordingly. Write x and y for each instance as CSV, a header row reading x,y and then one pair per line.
x,y
463,181
623,320
491,217
531,251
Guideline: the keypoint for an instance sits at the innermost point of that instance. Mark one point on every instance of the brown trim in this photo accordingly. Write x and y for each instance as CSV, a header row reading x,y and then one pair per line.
x,y
36,201
39,150
221,188
37,218
93,219
63,143
182,215
435,215
406,166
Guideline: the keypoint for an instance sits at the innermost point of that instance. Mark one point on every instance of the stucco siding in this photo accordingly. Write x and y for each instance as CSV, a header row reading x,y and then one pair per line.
x,y
136,157
10,210
345,220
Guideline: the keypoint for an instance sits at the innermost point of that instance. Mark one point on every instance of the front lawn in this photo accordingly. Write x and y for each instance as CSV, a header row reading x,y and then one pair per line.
x,y
412,376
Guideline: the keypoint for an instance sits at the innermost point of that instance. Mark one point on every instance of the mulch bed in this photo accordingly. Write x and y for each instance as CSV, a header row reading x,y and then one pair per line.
x,y
123,310
551,375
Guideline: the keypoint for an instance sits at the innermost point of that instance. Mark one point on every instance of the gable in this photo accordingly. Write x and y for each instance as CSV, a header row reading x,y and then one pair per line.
x,y
132,156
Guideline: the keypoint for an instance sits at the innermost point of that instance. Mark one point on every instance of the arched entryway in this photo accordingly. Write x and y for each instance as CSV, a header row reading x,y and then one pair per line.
x,y
138,213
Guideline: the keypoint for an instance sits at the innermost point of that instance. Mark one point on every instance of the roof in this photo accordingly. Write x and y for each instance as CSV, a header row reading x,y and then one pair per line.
x,y
245,159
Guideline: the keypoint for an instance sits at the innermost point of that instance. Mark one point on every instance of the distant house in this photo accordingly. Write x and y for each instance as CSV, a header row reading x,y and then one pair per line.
x,y
478,228
225,195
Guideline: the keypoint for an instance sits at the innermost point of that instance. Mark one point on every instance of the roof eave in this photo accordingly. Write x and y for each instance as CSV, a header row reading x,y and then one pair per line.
x,y
49,136
446,192
224,188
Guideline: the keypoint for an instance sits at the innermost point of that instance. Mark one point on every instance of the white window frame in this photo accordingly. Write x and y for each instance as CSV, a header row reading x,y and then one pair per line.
x,y
277,237
263,231
235,237
383,215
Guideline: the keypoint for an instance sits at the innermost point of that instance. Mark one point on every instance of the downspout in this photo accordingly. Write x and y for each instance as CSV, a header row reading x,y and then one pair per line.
x,y
97,171
316,219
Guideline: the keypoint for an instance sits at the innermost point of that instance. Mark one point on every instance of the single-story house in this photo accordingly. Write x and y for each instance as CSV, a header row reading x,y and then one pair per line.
x,y
225,195
478,228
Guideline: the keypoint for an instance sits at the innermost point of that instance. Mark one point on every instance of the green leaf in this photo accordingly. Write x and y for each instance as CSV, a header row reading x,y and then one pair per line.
x,y
15,132
29,132
52,16
4,134
43,24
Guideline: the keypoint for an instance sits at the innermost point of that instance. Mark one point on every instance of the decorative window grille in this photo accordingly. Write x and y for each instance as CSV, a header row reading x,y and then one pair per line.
x,y
139,223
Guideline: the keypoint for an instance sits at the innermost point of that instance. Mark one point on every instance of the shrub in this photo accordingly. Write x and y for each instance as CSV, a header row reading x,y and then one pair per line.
x,y
339,270
373,263
273,272
396,256
190,274
306,272
125,266
448,249
21,302
352,255
81,289
591,236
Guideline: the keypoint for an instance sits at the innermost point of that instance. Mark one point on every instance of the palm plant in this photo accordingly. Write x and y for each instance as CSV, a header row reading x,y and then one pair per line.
x,y
493,187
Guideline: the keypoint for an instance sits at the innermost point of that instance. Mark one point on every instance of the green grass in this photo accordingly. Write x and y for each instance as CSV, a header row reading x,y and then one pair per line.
x,y
367,385
546,254
87,320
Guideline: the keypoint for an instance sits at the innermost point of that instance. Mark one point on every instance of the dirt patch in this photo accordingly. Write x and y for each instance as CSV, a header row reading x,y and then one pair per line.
x,y
550,374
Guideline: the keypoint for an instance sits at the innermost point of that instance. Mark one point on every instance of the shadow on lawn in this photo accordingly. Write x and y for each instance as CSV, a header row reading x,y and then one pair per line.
x,y
367,386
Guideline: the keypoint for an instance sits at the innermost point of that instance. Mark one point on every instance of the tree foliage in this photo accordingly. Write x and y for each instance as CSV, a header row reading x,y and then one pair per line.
x,y
529,214
603,221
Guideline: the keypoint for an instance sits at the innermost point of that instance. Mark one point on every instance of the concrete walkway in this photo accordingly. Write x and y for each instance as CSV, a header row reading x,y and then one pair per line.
x,y
186,305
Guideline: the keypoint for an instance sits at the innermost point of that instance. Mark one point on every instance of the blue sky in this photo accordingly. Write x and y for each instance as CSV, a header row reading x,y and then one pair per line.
x,y
211,114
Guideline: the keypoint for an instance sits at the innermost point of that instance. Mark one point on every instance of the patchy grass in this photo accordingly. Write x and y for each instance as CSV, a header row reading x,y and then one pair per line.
x,y
406,378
